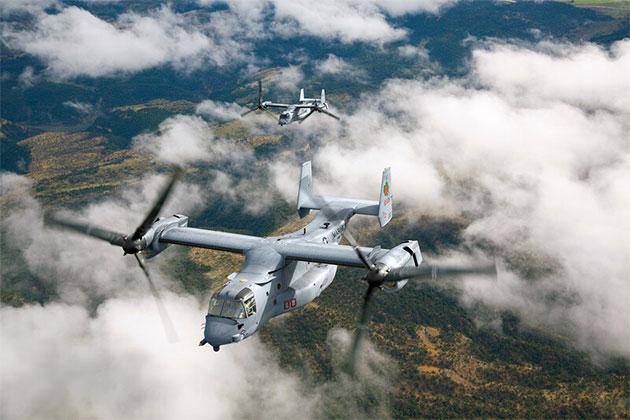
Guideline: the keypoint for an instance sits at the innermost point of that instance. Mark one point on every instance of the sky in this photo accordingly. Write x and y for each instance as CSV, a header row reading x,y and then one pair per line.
x,y
530,147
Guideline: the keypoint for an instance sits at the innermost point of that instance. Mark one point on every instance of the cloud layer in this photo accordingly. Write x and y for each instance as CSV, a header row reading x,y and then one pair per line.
x,y
60,362
73,42
73,358
347,20
83,270
532,148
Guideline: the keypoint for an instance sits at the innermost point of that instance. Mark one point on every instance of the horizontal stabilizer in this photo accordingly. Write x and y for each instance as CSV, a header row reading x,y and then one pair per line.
x,y
308,201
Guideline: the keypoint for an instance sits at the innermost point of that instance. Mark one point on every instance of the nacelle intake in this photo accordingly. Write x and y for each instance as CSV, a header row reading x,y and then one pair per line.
x,y
151,239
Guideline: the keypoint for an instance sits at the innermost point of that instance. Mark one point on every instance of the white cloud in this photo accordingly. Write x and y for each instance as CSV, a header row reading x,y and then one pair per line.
x,y
80,107
223,111
189,140
346,20
28,77
288,78
602,76
118,365
349,20
410,51
402,7
74,43
184,139
83,269
244,190
333,65
535,152
58,361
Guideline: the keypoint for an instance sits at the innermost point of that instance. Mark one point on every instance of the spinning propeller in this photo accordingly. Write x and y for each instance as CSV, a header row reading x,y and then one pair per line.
x,y
378,274
131,244
260,106
322,107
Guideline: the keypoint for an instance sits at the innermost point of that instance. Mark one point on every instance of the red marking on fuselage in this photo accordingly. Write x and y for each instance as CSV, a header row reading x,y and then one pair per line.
x,y
291,303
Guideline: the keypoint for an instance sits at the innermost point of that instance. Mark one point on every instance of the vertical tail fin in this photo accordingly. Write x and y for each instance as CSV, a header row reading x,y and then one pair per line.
x,y
323,98
301,95
385,207
306,187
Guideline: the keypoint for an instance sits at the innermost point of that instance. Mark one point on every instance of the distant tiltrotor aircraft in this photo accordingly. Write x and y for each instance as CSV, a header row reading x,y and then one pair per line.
x,y
299,111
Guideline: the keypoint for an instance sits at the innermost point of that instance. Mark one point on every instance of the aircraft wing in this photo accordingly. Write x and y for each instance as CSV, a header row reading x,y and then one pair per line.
x,y
233,242
201,238
276,105
321,253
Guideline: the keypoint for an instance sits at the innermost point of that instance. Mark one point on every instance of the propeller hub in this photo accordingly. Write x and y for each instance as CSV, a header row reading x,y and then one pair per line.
x,y
132,246
377,274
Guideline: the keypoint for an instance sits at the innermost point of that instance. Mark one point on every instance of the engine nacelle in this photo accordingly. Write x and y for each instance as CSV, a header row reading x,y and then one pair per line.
x,y
152,237
406,254
393,286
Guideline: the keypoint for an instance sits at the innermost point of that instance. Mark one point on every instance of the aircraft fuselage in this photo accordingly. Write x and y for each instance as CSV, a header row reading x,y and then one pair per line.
x,y
294,114
272,285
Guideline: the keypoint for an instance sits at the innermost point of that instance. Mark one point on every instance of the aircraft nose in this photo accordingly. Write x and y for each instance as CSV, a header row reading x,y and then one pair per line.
x,y
220,331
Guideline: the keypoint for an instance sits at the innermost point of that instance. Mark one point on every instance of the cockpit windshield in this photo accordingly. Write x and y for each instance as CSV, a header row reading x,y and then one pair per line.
x,y
226,308
242,307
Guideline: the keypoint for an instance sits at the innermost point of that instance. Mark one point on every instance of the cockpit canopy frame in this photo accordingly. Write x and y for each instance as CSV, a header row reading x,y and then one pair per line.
x,y
242,306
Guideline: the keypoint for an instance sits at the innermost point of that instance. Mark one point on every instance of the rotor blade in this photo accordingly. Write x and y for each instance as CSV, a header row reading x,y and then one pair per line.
x,y
167,323
249,112
150,218
348,237
330,114
259,91
113,238
362,327
270,114
431,271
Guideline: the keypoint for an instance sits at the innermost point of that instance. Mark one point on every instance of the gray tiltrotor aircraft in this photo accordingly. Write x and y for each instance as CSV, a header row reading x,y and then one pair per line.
x,y
280,273
293,112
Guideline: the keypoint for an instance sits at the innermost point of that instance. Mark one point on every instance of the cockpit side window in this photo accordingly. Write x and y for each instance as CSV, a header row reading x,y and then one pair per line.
x,y
249,301
250,306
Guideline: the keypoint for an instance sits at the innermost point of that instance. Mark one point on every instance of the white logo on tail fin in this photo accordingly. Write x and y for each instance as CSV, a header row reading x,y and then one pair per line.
x,y
385,207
